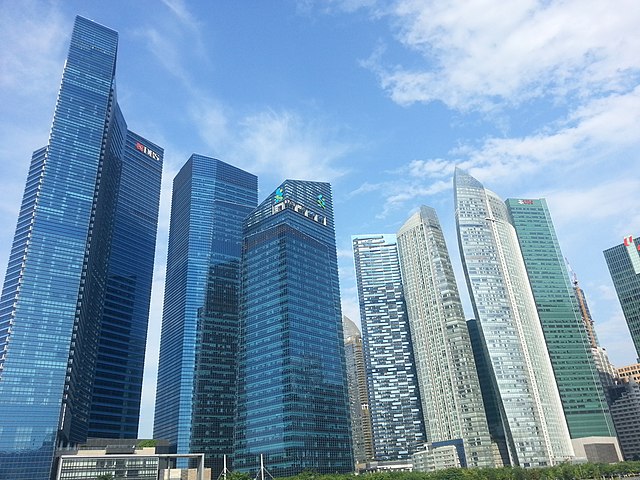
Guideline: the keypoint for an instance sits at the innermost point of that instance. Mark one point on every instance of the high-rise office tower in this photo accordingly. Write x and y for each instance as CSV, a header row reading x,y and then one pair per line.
x,y
581,392
394,398
624,266
292,390
510,328
451,400
74,307
117,386
361,432
198,344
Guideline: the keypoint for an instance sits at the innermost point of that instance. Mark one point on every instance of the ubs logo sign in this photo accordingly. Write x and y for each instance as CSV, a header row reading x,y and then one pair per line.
x,y
147,151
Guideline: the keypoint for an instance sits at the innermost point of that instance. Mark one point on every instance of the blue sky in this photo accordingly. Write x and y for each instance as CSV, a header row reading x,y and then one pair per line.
x,y
382,99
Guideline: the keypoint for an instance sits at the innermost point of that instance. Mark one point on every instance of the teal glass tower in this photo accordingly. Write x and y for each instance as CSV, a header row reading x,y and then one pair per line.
x,y
582,395
198,345
74,306
397,419
292,390
624,266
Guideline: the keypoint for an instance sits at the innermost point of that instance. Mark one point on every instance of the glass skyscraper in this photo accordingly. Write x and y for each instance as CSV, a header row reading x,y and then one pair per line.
x,y
449,388
75,302
198,345
394,398
534,422
624,266
292,390
582,395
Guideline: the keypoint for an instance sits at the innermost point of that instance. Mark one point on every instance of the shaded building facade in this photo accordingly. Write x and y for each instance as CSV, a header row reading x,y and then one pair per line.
x,y
293,403
454,414
74,312
361,433
567,339
509,327
195,398
394,395
624,266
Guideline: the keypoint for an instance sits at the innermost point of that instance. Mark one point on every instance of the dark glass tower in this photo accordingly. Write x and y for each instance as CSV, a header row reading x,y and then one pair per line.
x,y
117,388
196,373
59,330
582,395
292,390
394,395
624,266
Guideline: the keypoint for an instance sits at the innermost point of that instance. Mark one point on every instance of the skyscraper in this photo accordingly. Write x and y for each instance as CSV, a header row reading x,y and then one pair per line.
x,y
510,328
581,392
198,345
624,266
394,398
292,390
74,307
117,386
447,376
361,434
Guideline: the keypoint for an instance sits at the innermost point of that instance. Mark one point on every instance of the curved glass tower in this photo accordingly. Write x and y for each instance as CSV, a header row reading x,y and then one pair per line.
x,y
449,387
535,426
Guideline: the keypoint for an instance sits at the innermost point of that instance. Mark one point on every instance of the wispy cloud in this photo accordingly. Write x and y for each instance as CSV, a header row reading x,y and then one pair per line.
x,y
276,144
286,144
401,191
28,62
180,10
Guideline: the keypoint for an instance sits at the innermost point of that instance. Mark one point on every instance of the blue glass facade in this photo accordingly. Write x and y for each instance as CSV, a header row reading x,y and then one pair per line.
x,y
292,391
52,303
117,389
394,396
196,373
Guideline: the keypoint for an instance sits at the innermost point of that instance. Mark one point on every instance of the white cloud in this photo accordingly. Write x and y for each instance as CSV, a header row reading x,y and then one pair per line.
x,y
586,204
589,137
285,144
278,144
485,53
